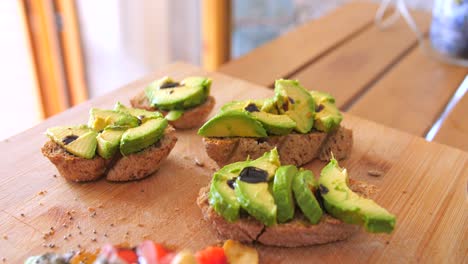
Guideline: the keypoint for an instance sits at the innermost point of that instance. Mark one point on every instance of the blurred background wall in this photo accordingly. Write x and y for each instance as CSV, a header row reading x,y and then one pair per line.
x,y
123,40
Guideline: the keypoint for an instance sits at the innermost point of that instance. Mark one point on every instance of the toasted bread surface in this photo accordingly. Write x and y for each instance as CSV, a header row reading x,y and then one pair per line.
x,y
296,233
295,149
74,168
119,168
144,163
193,117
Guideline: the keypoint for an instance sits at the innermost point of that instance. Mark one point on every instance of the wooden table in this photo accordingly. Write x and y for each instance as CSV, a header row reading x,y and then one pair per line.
x,y
424,184
380,75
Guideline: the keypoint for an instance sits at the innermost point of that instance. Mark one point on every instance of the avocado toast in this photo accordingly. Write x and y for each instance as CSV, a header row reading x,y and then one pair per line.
x,y
186,104
262,201
123,144
302,124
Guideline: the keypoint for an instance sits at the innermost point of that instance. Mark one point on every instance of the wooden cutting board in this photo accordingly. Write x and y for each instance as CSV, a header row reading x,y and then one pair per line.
x,y
424,184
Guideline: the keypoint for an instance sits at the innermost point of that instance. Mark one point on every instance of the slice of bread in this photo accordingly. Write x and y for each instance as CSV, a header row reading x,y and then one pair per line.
x,y
294,149
74,168
132,167
296,233
191,118
141,164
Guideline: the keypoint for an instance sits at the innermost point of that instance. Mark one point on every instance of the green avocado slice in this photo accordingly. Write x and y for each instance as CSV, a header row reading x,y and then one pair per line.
x,y
341,202
108,142
222,196
139,138
282,192
296,102
275,124
78,140
328,116
173,115
99,119
169,95
141,114
232,124
257,200
304,185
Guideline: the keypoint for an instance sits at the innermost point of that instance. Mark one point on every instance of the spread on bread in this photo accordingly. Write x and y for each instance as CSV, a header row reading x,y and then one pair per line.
x,y
113,139
185,104
299,122
260,197
148,252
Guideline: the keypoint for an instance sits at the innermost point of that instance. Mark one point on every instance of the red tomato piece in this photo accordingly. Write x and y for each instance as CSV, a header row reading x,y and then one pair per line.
x,y
152,252
128,255
212,255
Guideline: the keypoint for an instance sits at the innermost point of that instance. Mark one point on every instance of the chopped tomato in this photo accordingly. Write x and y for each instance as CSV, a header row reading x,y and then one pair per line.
x,y
212,255
152,252
128,255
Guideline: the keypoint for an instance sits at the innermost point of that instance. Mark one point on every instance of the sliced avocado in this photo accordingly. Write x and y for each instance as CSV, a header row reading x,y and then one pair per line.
x,y
108,142
269,106
100,119
222,196
322,97
139,138
78,140
282,192
257,200
296,102
232,124
173,115
242,105
275,124
328,116
268,162
169,95
141,114
304,185
341,202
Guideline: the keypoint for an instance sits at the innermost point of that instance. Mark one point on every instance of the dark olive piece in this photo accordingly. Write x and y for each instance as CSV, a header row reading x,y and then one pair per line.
x,y
319,108
231,182
323,189
252,108
69,139
253,175
169,85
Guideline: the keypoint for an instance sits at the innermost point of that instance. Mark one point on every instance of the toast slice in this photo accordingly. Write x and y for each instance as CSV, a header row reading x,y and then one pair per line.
x,y
296,233
132,167
294,149
191,118
141,164
72,167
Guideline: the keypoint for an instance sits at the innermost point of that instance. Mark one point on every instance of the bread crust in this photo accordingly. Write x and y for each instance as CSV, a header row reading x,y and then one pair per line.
x,y
142,164
191,118
132,167
295,149
74,168
296,233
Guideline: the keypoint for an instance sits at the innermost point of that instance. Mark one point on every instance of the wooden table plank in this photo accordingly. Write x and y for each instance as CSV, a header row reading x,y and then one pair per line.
x,y
412,95
284,55
351,68
422,183
454,130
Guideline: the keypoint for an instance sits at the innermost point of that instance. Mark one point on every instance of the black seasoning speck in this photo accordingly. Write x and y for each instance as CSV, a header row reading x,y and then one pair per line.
x,y
169,85
323,189
291,100
22,214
